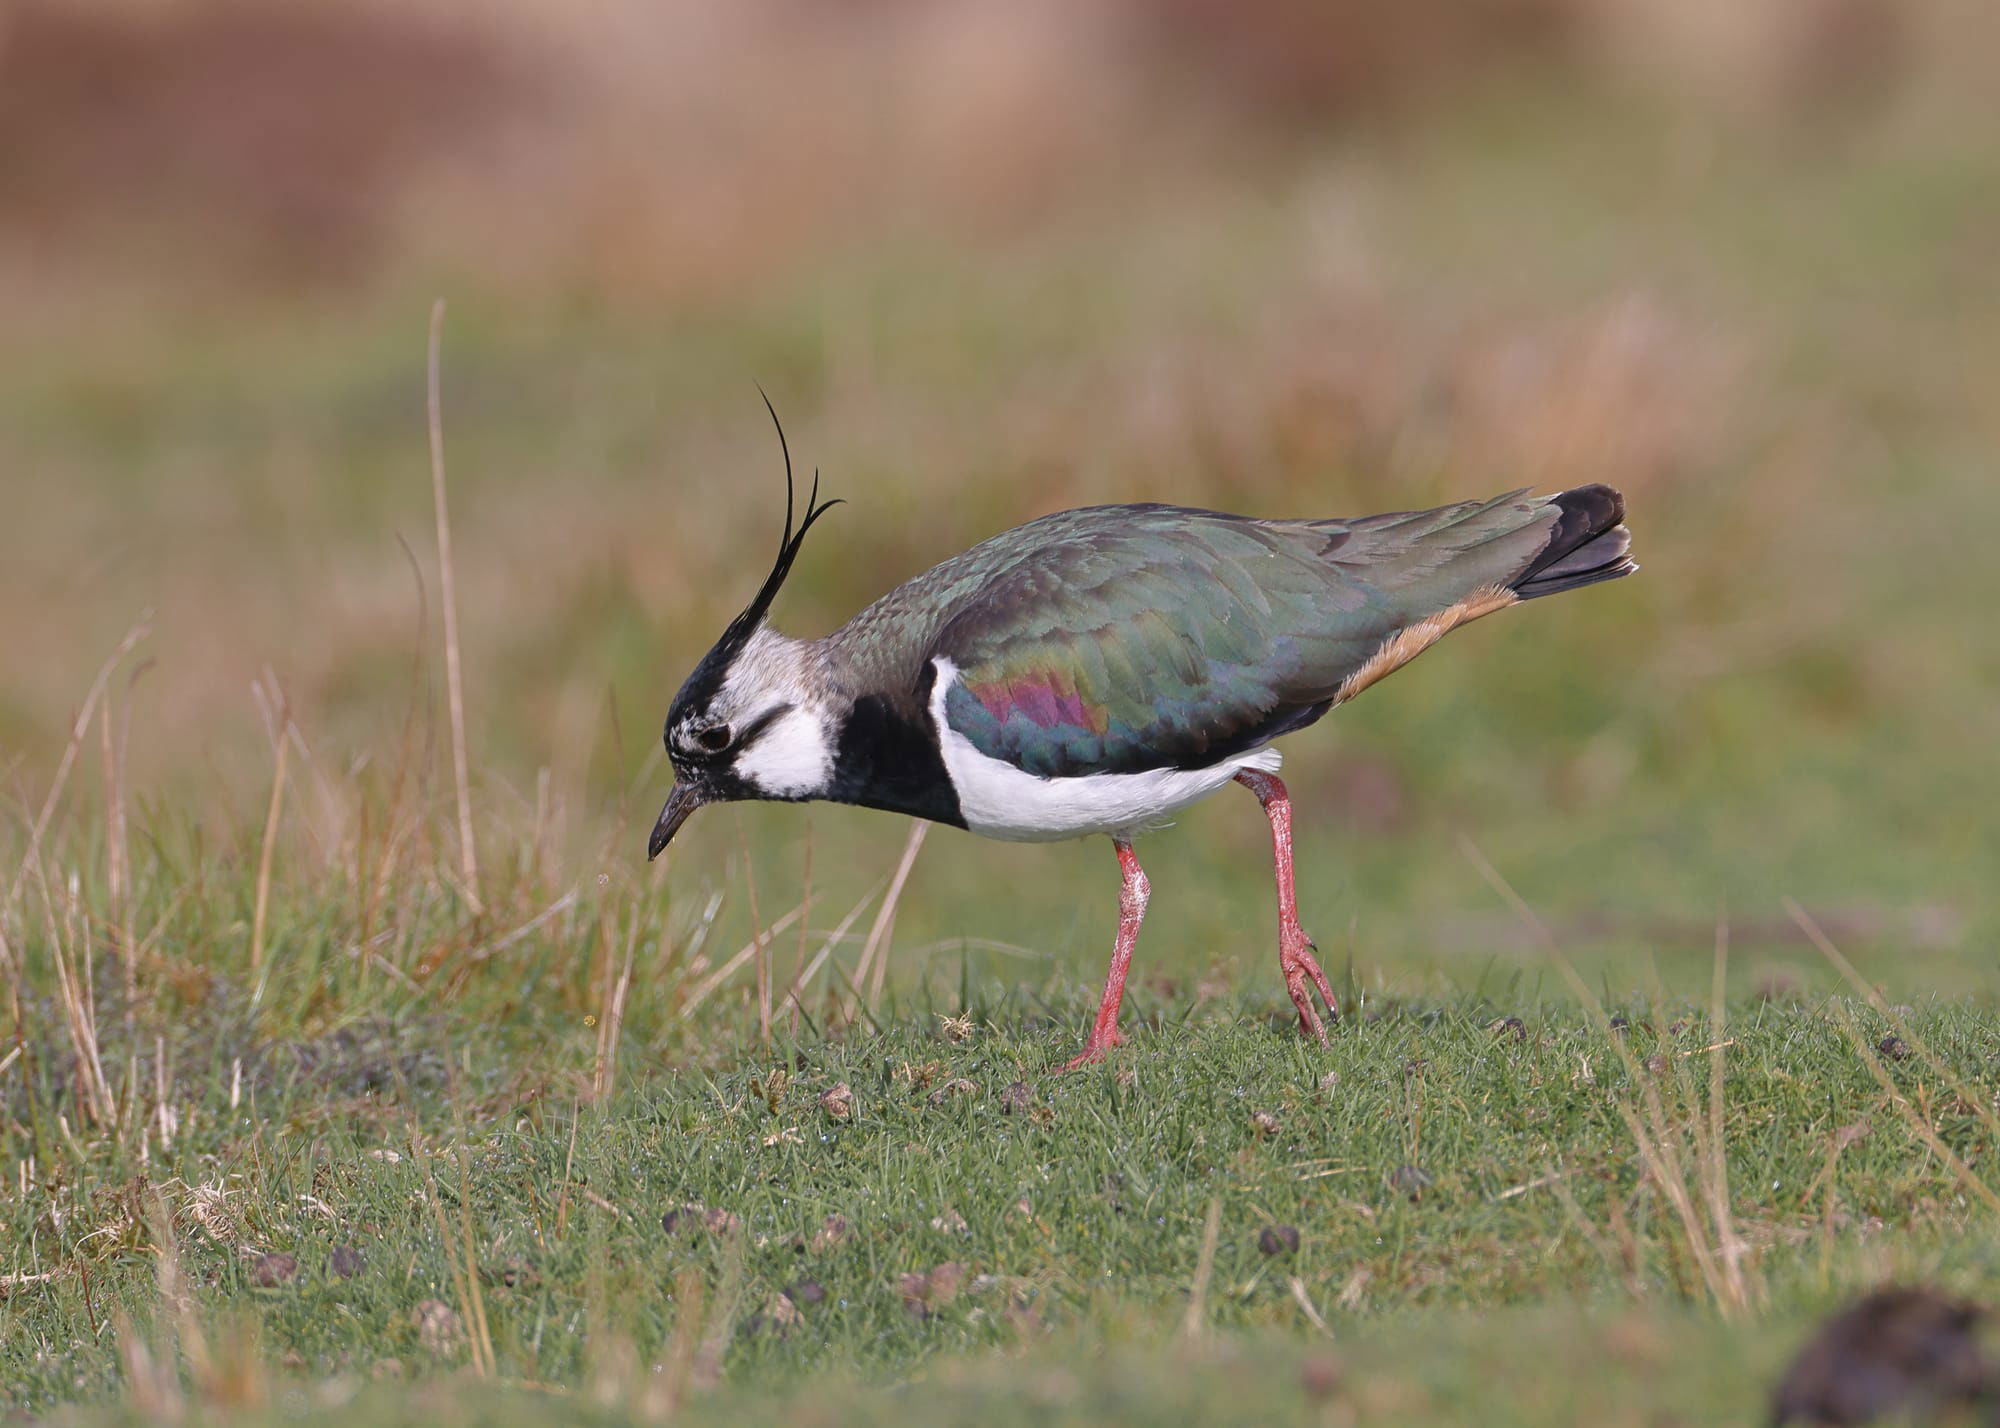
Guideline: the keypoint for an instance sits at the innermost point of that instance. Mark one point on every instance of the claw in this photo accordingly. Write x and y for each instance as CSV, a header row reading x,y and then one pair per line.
x,y
1089,1056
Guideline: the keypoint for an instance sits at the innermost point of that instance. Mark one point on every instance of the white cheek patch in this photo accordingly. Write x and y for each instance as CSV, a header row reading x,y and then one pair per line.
x,y
791,758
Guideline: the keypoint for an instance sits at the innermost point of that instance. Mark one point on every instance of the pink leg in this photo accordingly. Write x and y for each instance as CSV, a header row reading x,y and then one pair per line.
x,y
1295,949
1131,912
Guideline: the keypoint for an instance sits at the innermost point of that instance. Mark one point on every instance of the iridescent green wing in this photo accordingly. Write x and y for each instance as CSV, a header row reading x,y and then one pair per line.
x,y
1121,639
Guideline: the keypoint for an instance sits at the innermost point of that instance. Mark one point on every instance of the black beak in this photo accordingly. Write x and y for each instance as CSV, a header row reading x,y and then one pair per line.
x,y
685,799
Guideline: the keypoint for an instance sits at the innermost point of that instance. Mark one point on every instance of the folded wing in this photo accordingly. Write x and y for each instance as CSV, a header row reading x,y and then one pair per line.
x,y
1122,639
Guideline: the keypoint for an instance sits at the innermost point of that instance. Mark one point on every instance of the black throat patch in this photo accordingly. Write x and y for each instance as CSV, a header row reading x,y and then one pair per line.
x,y
888,759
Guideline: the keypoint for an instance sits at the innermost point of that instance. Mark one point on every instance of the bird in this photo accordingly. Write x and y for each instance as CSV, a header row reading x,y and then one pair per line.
x,y
1097,670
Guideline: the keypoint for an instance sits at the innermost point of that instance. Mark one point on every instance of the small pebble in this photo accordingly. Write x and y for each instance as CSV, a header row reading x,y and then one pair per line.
x,y
943,1282
1016,1098
1278,1239
514,1272
268,1271
924,1294
438,1326
691,1217
956,1086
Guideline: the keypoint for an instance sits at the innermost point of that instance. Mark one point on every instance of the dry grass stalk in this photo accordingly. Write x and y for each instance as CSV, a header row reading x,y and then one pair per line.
x,y
797,990
1620,1264
721,974
78,730
79,1015
448,586
612,1022
117,859
1714,1246
875,952
1194,1324
805,917
151,1385
1922,1128
1817,936
167,1117
501,944
465,1272
12,968
281,719
1714,1155
1664,1168
757,937
396,826
1306,1306
569,1165
482,1334
177,1299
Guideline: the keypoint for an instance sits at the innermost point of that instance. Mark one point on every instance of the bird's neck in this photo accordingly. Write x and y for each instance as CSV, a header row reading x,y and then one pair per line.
x,y
886,755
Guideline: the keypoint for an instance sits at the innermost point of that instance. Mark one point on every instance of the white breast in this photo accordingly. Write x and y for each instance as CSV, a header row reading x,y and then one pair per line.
x,y
998,800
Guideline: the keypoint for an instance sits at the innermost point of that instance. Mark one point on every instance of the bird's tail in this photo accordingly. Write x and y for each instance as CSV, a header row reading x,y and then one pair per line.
x,y
1589,544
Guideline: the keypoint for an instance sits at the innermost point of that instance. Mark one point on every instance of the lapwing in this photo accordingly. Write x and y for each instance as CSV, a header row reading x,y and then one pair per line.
x,y
1100,669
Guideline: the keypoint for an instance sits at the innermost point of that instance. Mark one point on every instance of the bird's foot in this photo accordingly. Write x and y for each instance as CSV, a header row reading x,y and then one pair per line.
x,y
1302,975
1093,1051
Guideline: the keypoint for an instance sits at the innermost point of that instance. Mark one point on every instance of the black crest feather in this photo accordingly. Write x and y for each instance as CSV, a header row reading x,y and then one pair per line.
x,y
707,676
788,544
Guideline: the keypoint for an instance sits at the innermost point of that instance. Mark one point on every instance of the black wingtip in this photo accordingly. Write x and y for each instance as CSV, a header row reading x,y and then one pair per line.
x,y
1587,544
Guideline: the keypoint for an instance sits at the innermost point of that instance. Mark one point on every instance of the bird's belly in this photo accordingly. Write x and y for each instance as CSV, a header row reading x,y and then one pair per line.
x,y
998,800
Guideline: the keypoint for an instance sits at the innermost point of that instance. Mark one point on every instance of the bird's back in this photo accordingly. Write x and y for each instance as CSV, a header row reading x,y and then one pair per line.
x,y
1123,638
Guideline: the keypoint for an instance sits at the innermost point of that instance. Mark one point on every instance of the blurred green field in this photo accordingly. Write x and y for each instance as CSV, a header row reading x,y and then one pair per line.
x,y
1769,321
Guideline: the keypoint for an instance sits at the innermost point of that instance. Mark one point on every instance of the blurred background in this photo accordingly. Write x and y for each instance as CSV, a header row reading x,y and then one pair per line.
x,y
991,259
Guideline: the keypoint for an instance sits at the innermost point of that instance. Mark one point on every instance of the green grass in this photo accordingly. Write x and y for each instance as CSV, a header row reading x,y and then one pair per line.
x,y
1074,1209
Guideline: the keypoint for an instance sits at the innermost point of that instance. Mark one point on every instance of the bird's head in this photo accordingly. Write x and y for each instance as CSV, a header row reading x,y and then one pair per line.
x,y
751,721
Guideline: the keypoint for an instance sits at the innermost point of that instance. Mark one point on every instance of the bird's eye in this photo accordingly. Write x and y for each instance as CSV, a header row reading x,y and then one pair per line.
x,y
714,739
